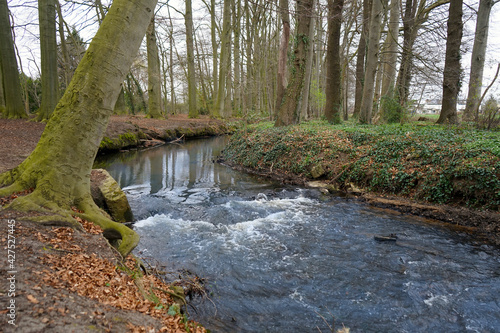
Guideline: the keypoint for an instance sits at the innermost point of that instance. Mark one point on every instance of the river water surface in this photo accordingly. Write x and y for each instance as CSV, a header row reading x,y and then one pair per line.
x,y
288,259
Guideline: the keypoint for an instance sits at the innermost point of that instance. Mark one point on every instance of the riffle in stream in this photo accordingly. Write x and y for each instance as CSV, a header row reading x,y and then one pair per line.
x,y
287,259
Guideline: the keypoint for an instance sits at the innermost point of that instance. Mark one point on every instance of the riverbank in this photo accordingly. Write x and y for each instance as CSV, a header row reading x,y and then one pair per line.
x,y
448,174
66,280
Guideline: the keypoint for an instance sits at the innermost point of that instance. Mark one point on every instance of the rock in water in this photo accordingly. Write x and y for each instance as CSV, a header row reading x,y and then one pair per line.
x,y
108,195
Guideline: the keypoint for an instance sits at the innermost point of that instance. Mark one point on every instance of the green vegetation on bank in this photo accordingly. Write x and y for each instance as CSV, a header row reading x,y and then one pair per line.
x,y
433,163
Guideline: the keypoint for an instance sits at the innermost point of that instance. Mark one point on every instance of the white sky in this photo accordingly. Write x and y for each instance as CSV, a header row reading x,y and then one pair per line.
x,y
25,19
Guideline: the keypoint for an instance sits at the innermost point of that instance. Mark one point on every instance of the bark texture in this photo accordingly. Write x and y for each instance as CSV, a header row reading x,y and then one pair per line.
x,y
14,107
60,166
224,60
365,116
154,75
188,17
333,106
289,111
360,59
452,70
478,58
282,52
48,55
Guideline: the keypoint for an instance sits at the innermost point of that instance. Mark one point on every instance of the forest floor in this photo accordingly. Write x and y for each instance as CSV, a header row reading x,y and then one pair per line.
x,y
57,279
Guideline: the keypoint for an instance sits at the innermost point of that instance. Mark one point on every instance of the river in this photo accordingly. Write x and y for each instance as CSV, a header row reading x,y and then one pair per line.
x,y
288,259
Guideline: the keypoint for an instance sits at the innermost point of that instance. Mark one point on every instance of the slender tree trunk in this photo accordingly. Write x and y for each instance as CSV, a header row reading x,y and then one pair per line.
x,y
452,70
477,58
213,34
391,50
120,105
154,75
409,28
333,92
289,112
304,101
8,65
282,53
48,52
2,96
360,59
224,60
188,17
64,49
237,55
365,116
59,168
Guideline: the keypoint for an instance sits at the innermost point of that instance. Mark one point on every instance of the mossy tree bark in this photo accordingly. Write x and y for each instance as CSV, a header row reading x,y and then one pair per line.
x,y
48,53
59,168
14,107
288,113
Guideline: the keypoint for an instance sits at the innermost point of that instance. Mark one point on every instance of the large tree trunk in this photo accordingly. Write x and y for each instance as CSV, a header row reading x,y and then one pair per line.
x,y
477,59
8,66
452,70
48,53
333,106
365,115
154,75
59,168
288,113
188,17
282,53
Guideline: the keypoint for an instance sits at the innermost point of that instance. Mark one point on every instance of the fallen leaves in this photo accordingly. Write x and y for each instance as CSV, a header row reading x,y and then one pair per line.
x,y
32,299
85,273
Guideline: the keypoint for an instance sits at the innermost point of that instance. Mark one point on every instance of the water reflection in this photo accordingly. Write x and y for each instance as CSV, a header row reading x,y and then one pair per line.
x,y
277,258
175,167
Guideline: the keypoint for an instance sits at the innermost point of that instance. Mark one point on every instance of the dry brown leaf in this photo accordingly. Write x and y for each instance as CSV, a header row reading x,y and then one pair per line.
x,y
32,299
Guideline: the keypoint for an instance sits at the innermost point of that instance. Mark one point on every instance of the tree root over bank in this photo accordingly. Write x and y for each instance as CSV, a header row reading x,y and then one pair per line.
x,y
61,213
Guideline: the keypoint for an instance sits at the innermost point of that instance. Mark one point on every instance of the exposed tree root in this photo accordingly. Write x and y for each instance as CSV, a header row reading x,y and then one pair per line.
x,y
120,236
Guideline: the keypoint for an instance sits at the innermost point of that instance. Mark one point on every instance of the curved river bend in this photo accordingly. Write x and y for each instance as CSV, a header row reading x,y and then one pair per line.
x,y
286,259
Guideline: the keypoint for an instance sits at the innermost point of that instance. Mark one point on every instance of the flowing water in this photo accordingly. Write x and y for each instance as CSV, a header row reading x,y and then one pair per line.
x,y
287,259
